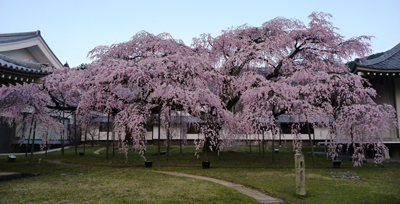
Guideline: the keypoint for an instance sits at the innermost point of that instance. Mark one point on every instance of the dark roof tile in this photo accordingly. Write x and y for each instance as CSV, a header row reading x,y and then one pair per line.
x,y
389,60
14,37
22,66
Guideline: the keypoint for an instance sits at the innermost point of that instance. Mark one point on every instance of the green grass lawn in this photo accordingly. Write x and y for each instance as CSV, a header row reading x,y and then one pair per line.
x,y
96,179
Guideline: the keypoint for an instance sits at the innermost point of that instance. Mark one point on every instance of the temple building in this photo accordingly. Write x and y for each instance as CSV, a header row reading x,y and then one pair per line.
x,y
383,72
23,58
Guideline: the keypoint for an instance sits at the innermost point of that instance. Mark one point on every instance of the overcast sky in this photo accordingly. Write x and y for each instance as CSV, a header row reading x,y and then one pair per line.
x,y
72,28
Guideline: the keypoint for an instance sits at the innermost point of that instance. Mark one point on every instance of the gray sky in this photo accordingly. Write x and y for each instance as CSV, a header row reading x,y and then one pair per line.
x,y
72,28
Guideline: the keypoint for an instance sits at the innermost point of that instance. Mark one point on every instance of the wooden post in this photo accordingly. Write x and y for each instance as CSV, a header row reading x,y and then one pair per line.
x,y
300,174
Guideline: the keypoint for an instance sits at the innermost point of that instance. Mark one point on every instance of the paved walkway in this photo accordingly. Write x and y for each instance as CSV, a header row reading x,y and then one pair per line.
x,y
98,151
247,191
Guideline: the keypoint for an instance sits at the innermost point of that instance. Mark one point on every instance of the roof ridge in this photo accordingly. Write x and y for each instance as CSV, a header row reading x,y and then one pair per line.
x,y
20,34
381,58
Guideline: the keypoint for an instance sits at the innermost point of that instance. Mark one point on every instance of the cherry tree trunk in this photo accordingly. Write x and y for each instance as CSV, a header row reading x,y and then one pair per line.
x,y
108,133
63,134
76,136
168,146
249,141
33,142
263,143
159,133
259,144
113,142
84,144
273,149
47,147
211,145
312,146
180,139
29,138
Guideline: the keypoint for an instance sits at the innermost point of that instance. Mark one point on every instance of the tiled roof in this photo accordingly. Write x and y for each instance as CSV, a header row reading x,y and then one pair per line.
x,y
13,37
389,60
9,63
17,37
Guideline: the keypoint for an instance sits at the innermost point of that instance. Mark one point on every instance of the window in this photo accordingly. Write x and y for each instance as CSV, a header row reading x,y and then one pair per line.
x,y
287,128
192,129
103,127
149,127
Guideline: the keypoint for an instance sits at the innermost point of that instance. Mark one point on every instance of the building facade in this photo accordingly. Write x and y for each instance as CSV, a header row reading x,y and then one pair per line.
x,y
23,59
383,72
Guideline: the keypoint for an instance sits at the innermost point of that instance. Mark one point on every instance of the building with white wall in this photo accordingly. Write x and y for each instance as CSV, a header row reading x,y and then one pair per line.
x,y
23,59
383,72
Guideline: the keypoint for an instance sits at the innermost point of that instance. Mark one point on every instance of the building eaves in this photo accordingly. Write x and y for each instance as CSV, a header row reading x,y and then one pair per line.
x,y
7,39
16,37
389,60
16,65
